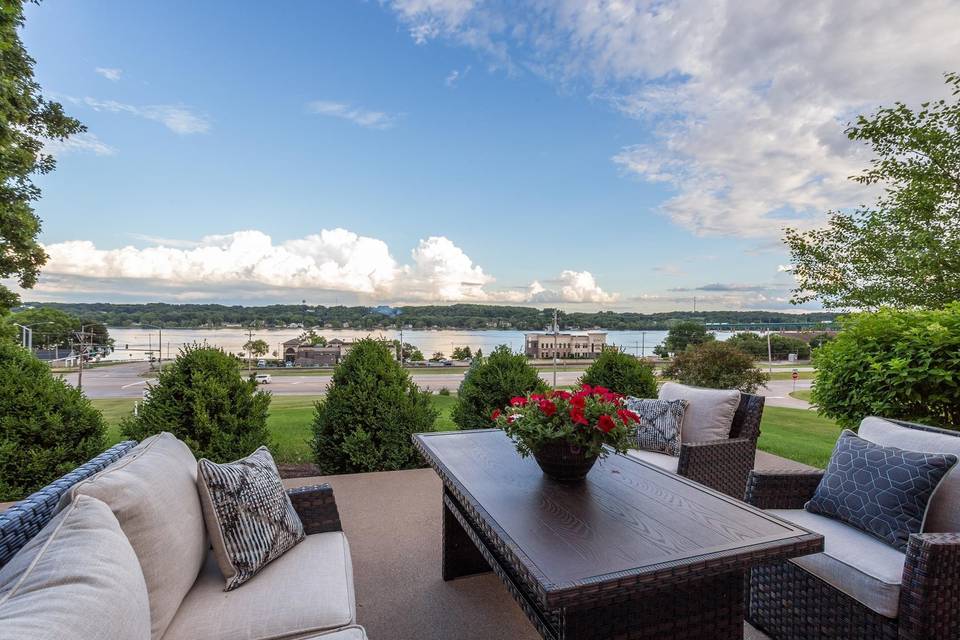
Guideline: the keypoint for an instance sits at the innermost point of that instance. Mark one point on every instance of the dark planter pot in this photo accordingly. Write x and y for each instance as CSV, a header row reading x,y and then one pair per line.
x,y
564,462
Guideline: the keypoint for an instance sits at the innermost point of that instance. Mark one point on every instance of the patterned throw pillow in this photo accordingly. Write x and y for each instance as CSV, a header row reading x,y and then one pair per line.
x,y
659,425
883,491
249,517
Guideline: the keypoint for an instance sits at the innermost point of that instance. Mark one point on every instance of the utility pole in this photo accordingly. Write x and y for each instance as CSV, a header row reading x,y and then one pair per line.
x,y
643,344
556,331
769,354
247,346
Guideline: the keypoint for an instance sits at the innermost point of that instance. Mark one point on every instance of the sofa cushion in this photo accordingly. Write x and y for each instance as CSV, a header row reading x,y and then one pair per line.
x,y
659,423
883,491
661,460
153,493
306,590
353,632
852,561
709,415
249,517
77,578
943,510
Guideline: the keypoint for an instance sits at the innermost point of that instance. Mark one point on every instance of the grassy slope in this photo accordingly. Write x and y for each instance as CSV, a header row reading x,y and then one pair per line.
x,y
797,434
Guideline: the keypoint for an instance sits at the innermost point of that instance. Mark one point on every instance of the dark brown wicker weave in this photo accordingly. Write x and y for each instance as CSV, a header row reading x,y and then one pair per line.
x,y
316,507
791,604
724,464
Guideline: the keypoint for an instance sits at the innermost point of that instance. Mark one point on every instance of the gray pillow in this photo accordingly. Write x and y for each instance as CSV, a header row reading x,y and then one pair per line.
x,y
883,491
249,516
659,426
710,412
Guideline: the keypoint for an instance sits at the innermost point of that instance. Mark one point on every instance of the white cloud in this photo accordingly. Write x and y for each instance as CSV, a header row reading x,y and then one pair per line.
x,y
110,73
81,142
357,115
747,101
249,263
179,119
454,77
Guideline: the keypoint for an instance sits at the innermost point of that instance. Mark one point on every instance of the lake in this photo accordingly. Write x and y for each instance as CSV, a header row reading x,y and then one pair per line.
x,y
133,343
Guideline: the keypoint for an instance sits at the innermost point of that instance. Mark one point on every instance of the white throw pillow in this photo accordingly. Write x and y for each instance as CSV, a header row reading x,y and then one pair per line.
x,y
943,510
709,413
77,578
153,493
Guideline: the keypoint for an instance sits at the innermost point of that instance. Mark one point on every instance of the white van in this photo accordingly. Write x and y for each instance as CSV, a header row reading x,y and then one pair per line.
x,y
262,378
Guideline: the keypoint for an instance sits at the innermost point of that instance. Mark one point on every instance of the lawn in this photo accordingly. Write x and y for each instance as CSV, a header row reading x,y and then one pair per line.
x,y
798,434
801,394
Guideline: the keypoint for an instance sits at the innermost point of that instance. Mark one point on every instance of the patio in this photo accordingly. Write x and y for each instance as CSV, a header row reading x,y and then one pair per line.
x,y
392,520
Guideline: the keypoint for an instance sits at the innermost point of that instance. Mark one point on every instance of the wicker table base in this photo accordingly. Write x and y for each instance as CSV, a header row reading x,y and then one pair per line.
x,y
707,608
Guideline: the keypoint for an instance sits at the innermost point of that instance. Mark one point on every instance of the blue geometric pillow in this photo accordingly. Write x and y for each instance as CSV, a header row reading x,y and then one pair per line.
x,y
880,490
658,428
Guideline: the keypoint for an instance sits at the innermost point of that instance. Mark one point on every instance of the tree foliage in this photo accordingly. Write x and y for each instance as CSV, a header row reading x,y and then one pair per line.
x,y
256,348
682,335
621,373
47,427
203,399
28,121
780,346
904,251
371,409
311,338
716,365
462,353
894,364
489,384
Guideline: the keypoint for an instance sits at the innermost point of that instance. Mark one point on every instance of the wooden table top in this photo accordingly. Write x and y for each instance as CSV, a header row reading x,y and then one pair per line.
x,y
629,523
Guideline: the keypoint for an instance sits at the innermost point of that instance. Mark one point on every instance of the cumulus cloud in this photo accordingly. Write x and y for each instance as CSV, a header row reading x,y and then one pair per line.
x,y
79,143
357,115
179,119
747,101
110,73
250,264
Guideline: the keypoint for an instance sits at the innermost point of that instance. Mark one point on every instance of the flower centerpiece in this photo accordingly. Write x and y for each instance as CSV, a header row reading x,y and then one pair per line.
x,y
565,432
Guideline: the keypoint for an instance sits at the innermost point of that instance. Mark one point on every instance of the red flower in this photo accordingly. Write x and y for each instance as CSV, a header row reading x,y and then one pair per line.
x,y
601,391
606,423
518,401
576,414
578,400
547,407
628,416
536,397
495,414
563,395
586,389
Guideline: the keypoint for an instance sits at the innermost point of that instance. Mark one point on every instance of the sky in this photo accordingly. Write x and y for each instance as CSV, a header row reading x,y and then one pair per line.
x,y
615,155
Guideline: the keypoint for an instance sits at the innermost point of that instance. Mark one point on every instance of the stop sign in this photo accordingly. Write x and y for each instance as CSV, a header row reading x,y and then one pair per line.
x,y
795,374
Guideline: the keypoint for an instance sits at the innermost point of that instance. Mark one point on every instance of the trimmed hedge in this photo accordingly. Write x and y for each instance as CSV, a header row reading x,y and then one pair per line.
x,y
490,383
622,373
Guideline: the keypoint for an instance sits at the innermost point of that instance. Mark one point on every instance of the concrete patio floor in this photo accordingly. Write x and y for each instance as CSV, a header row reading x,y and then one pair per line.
x,y
392,521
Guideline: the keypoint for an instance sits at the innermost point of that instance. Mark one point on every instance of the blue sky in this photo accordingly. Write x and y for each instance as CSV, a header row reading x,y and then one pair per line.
x,y
580,154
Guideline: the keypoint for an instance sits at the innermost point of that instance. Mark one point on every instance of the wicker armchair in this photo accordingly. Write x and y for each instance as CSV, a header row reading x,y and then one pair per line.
x,y
788,602
725,464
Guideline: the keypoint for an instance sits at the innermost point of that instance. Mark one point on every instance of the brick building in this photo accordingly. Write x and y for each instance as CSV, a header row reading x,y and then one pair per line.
x,y
570,344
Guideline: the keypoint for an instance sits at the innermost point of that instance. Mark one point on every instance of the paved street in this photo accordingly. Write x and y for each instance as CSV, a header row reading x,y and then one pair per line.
x,y
128,381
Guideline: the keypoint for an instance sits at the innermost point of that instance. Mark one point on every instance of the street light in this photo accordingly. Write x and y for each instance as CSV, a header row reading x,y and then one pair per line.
x,y
159,341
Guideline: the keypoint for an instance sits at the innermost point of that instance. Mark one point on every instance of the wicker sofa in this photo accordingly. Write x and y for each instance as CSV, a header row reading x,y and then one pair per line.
x,y
305,593
859,588
719,464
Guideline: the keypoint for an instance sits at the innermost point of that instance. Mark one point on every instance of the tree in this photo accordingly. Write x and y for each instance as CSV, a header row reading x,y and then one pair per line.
x,y
622,373
47,427
904,251
28,120
312,338
490,383
416,355
716,365
371,409
51,327
893,364
203,400
682,335
437,356
462,353
780,346
257,348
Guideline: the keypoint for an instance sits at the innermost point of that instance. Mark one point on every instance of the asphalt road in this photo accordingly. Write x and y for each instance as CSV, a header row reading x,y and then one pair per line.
x,y
128,381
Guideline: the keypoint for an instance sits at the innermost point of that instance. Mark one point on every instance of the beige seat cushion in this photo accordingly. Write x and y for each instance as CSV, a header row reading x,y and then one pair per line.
x,y
77,578
655,458
153,493
353,632
307,590
943,510
854,562
709,414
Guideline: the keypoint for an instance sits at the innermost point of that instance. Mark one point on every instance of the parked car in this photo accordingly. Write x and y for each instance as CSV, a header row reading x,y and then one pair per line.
x,y
261,363
262,378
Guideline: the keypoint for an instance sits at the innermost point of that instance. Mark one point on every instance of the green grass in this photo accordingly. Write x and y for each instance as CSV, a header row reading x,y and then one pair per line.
x,y
801,394
289,422
788,375
798,434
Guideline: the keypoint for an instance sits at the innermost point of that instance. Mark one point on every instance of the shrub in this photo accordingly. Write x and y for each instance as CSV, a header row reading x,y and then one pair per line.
x,y
716,365
203,400
780,346
443,391
369,413
47,427
895,364
621,373
490,383
681,336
